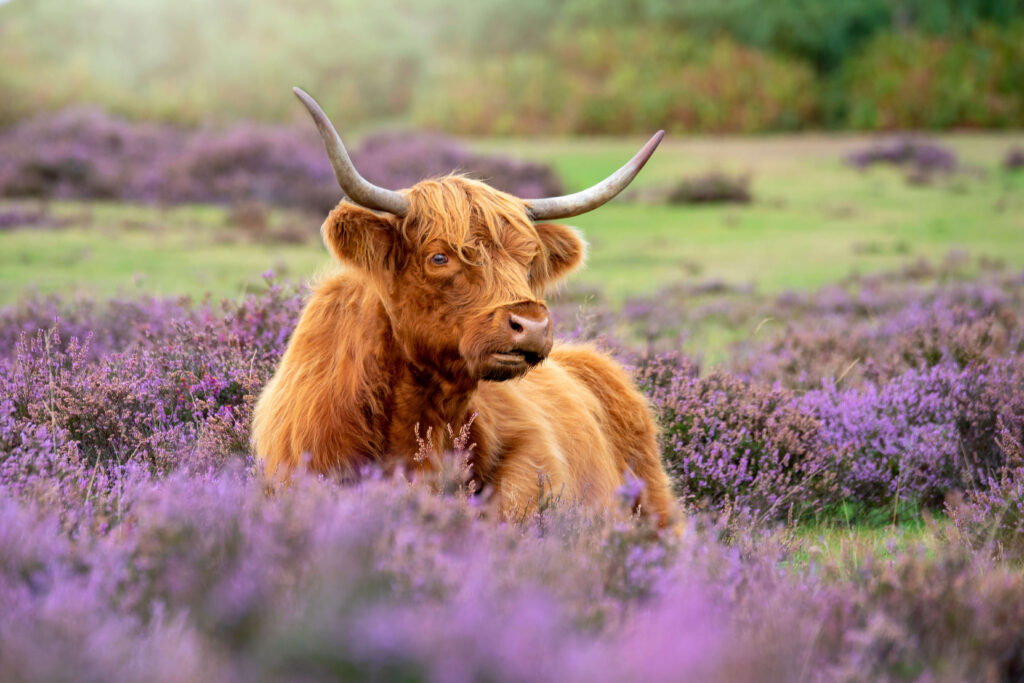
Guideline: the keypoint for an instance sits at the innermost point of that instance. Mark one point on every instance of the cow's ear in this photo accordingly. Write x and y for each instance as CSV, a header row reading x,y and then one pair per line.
x,y
360,236
566,250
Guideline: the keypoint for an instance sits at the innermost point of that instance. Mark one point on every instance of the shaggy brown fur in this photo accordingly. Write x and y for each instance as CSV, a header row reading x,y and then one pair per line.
x,y
402,337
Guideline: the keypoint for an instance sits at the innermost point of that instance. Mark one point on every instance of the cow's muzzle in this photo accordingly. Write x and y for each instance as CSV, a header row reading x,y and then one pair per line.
x,y
523,339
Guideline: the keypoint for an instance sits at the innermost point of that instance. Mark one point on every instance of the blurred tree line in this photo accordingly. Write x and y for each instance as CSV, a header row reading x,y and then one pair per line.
x,y
532,66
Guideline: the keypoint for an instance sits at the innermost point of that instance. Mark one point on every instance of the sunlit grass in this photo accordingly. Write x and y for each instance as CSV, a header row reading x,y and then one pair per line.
x,y
846,537
123,250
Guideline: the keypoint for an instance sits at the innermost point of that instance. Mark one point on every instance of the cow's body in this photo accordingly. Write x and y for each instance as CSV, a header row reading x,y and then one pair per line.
x,y
577,419
344,397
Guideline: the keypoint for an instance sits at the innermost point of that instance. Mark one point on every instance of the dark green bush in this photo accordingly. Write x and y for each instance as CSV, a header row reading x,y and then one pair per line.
x,y
825,33
915,81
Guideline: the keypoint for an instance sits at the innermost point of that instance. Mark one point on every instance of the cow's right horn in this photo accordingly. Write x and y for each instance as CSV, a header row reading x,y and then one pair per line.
x,y
357,188
570,205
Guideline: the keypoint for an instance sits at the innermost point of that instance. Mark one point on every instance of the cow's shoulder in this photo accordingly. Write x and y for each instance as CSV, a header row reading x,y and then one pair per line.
x,y
342,307
576,374
343,287
595,368
609,382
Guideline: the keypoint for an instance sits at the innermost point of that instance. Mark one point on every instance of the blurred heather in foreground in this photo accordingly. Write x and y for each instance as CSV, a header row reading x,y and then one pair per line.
x,y
206,577
86,154
203,575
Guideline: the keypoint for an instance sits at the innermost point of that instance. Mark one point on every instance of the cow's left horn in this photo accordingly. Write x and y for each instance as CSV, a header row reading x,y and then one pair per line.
x,y
357,188
593,197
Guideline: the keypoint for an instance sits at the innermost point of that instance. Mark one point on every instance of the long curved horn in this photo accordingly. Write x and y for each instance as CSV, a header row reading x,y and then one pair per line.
x,y
357,188
593,197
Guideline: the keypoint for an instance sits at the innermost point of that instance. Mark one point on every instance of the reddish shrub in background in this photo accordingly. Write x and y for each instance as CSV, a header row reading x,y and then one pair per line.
x,y
626,79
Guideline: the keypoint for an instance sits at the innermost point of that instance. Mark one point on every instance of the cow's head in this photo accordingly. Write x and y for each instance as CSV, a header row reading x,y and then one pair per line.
x,y
461,268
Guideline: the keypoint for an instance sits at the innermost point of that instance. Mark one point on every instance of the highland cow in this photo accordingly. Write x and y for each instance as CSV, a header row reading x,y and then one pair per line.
x,y
436,320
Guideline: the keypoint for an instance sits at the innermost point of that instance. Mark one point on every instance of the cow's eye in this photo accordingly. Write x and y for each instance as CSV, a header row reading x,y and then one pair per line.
x,y
439,259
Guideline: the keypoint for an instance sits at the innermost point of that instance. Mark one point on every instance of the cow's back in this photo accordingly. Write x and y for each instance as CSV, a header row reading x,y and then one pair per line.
x,y
578,419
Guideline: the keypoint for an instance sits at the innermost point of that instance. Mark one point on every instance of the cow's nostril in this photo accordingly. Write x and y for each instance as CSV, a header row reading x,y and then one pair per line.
x,y
528,333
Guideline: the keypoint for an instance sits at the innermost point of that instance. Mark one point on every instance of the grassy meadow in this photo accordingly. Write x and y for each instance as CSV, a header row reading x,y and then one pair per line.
x,y
814,220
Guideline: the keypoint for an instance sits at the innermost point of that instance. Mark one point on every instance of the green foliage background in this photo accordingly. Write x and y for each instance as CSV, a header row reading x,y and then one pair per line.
x,y
533,66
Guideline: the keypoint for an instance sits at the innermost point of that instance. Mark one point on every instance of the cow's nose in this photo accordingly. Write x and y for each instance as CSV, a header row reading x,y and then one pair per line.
x,y
529,334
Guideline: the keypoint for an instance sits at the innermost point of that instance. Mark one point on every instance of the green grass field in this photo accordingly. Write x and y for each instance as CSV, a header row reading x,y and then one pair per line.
x,y
813,221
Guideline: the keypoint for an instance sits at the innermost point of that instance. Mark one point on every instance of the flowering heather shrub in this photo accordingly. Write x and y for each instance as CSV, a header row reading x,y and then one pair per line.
x,y
947,618
732,443
991,518
85,153
1014,159
712,188
860,348
206,574
88,154
890,391
923,434
872,329
203,574
110,326
157,393
906,384
403,158
906,150
275,165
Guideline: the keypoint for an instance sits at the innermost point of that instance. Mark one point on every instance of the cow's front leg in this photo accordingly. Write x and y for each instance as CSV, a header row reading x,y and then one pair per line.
x,y
525,484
